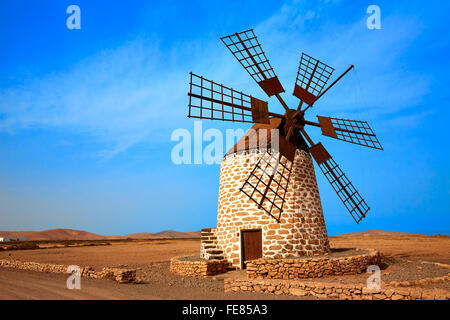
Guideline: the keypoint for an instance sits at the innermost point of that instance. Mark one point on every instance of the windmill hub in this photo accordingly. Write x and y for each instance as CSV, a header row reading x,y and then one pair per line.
x,y
250,196
293,120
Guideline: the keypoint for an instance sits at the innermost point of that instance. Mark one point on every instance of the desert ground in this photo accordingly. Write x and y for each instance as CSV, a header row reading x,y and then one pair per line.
x,y
405,258
415,248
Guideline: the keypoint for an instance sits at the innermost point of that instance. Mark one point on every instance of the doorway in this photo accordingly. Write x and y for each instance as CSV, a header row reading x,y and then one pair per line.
x,y
251,245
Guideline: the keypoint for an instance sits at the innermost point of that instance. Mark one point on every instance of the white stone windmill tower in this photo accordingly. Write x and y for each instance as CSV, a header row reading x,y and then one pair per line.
x,y
269,202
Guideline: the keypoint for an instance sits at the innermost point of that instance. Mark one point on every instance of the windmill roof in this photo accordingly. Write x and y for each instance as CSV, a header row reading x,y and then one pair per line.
x,y
255,138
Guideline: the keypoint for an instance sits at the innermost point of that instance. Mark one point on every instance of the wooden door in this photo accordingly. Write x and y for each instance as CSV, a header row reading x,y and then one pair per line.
x,y
251,245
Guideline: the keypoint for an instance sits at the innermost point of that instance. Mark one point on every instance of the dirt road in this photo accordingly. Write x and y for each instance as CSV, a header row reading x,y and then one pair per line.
x,y
29,285
19,284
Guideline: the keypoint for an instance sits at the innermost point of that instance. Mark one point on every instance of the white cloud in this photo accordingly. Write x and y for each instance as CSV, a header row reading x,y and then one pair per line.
x,y
116,96
381,81
137,92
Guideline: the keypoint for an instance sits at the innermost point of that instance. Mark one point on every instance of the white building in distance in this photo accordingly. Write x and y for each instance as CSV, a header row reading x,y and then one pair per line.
x,y
5,239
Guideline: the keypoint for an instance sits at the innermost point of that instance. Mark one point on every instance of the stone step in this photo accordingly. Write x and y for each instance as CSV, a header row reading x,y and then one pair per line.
x,y
209,238
207,234
216,256
211,246
214,251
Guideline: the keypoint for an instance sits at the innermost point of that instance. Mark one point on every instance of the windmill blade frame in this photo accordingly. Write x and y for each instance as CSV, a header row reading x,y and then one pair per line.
x,y
248,51
214,101
312,76
353,131
268,183
347,193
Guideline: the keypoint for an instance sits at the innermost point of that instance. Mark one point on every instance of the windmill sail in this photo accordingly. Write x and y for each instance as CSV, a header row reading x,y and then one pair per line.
x,y
268,182
312,75
247,50
351,198
210,100
353,131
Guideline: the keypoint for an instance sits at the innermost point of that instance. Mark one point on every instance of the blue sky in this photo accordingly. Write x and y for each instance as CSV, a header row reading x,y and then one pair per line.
x,y
86,115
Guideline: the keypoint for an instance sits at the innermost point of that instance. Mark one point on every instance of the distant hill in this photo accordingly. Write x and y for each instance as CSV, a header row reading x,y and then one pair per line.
x,y
69,234
165,234
53,234
378,233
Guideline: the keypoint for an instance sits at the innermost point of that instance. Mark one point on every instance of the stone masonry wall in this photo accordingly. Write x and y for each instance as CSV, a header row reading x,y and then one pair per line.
x,y
334,291
118,274
301,230
312,267
197,268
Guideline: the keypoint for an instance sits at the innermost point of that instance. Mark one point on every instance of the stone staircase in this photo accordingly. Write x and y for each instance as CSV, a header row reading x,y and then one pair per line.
x,y
209,249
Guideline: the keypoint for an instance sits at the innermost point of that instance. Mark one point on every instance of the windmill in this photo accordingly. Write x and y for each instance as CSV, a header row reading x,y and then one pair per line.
x,y
269,180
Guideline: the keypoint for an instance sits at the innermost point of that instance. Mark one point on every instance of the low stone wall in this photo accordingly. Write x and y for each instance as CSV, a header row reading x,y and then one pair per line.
x,y
303,268
201,268
333,291
118,274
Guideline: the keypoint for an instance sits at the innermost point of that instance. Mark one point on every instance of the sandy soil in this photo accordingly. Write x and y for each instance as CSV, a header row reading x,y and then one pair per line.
x,y
416,248
404,256
120,253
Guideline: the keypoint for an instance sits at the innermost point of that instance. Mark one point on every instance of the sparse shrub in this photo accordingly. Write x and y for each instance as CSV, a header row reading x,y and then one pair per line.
x,y
27,246
23,246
